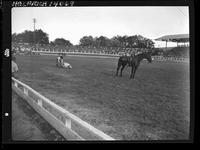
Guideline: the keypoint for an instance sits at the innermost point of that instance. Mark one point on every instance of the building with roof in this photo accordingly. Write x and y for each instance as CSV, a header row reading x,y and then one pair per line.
x,y
178,38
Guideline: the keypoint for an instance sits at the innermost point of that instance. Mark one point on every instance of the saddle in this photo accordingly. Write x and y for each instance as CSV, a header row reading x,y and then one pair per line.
x,y
131,59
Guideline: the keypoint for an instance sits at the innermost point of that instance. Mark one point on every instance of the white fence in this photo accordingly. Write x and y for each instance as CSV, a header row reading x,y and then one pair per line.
x,y
173,59
74,53
156,58
68,125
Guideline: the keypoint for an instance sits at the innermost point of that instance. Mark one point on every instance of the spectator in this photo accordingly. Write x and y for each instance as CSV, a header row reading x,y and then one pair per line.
x,y
14,67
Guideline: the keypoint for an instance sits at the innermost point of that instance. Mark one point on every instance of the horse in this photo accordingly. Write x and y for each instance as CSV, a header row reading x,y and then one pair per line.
x,y
133,61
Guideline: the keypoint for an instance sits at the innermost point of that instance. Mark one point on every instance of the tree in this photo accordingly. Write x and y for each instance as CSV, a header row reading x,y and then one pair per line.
x,y
28,37
132,41
102,41
40,37
121,40
14,37
144,42
62,41
87,41
52,43
135,41
115,42
33,37
149,43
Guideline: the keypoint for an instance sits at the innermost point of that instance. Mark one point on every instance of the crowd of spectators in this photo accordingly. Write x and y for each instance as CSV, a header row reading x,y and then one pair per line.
x,y
25,48
182,52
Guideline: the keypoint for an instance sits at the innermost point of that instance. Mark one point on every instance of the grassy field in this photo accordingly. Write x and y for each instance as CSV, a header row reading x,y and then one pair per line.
x,y
153,106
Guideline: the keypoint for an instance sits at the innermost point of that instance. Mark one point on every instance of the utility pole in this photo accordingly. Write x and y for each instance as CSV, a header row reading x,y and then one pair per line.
x,y
166,45
34,38
34,21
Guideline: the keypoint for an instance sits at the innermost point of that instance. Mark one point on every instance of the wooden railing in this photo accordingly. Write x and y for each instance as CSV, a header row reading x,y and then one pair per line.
x,y
67,124
156,58
174,59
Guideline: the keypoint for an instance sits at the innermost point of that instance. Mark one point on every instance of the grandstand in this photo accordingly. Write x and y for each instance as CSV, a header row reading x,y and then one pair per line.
x,y
178,52
22,48
178,38
182,49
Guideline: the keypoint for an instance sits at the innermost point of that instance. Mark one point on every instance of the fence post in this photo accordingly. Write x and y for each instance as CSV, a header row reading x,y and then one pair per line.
x,y
15,83
25,91
68,122
40,102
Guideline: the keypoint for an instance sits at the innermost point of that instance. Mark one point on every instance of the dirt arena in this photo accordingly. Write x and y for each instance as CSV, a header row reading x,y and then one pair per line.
x,y
153,106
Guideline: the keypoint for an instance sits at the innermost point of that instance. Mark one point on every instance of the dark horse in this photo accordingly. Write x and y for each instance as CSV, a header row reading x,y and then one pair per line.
x,y
133,61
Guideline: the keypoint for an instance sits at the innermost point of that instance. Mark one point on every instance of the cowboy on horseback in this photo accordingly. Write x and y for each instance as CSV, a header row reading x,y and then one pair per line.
x,y
133,61
131,55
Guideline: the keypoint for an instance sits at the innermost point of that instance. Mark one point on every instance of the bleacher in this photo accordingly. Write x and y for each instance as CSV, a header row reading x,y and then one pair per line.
x,y
26,49
181,51
178,52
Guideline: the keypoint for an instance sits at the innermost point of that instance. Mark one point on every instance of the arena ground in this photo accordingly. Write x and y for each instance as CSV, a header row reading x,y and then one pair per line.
x,y
153,106
27,125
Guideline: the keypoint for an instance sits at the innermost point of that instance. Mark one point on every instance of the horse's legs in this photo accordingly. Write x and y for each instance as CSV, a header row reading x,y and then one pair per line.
x,y
119,65
122,70
132,69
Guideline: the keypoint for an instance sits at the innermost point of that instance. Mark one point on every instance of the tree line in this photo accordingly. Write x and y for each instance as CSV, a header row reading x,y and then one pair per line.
x,y
136,41
40,37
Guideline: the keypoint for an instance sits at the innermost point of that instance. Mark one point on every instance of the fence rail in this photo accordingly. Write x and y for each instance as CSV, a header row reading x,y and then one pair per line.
x,y
66,123
174,59
156,58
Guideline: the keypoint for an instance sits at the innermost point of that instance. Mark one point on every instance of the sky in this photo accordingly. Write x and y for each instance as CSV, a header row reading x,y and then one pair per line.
x,y
72,23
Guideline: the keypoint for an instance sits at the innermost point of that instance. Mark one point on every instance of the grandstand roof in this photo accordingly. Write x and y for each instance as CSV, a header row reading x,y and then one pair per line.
x,y
174,38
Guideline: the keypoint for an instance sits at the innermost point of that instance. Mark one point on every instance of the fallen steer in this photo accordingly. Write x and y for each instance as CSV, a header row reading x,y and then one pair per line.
x,y
60,63
66,65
